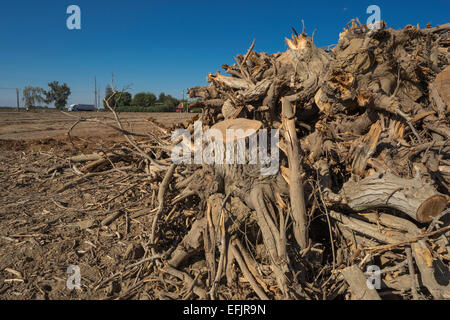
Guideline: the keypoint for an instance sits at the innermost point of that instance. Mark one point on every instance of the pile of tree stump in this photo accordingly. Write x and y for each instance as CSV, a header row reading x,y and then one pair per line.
x,y
359,206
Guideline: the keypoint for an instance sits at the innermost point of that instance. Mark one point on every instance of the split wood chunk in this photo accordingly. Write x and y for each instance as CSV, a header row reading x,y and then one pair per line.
x,y
414,197
256,92
235,83
367,148
341,86
298,42
209,92
85,157
228,109
364,97
442,85
357,282
436,282
242,128
342,82
322,103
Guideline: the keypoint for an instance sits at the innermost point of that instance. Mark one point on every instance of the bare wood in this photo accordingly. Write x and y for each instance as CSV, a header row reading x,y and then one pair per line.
x,y
408,241
296,184
425,263
271,238
358,284
76,181
190,244
248,275
244,128
85,157
200,292
367,229
230,82
256,92
440,92
161,192
415,197
366,149
251,264
100,163
412,273
108,220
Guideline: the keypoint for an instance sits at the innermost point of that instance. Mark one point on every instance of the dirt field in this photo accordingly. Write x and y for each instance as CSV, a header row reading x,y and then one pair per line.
x,y
31,125
46,224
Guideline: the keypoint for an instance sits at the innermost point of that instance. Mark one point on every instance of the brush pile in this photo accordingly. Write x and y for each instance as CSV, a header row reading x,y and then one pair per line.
x,y
365,151
361,190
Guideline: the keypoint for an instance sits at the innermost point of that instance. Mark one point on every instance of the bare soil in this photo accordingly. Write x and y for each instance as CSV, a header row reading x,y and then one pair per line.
x,y
43,231
37,125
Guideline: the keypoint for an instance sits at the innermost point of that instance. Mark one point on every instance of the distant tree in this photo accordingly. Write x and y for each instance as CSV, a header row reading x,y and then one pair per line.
x,y
108,93
162,97
171,102
144,99
123,99
32,96
57,94
168,101
151,98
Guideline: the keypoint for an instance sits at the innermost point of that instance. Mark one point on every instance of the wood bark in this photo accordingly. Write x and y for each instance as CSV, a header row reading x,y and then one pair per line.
x,y
296,191
414,197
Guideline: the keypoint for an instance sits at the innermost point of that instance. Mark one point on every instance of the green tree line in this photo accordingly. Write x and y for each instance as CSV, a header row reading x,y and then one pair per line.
x,y
140,102
58,94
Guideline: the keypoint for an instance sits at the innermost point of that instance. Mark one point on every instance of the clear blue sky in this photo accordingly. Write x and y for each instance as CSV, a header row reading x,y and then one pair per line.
x,y
166,45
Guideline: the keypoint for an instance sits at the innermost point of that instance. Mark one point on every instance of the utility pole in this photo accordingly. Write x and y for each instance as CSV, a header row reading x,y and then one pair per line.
x,y
95,92
183,102
18,105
